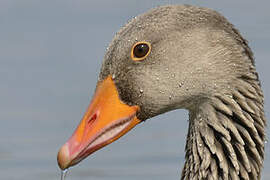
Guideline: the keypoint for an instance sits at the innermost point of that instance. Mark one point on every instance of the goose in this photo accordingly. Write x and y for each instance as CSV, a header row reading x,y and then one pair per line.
x,y
180,57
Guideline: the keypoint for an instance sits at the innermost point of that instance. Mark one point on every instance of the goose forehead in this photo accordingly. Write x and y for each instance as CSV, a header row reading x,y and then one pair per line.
x,y
161,21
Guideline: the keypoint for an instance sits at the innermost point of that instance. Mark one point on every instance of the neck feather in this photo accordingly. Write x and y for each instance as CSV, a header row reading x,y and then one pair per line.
x,y
226,135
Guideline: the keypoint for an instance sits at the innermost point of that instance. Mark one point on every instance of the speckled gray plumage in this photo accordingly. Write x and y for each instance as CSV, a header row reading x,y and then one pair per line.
x,y
199,62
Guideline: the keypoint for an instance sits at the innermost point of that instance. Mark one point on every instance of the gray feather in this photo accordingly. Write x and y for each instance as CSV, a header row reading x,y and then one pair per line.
x,y
219,86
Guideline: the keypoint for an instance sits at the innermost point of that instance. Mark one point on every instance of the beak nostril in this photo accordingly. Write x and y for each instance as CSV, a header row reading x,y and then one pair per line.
x,y
92,119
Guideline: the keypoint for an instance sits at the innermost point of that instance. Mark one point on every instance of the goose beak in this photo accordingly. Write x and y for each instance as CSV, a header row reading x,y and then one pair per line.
x,y
106,119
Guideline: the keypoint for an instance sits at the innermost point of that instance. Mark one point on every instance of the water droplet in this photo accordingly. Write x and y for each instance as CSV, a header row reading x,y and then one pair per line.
x,y
229,95
162,92
173,75
167,69
63,174
200,144
141,90
129,40
180,84
157,78
113,76
266,141
170,97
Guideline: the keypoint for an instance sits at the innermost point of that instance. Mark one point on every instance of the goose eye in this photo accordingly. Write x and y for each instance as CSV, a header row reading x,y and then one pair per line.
x,y
140,51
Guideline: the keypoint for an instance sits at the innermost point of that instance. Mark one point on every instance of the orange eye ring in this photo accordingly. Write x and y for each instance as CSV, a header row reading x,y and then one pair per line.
x,y
140,50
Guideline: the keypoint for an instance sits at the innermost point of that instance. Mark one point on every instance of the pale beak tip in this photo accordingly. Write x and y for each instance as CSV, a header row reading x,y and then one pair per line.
x,y
63,157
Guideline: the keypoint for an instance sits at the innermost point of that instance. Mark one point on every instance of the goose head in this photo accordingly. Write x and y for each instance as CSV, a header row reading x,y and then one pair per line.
x,y
171,57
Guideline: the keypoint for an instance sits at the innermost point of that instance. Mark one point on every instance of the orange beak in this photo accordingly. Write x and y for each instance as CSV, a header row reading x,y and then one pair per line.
x,y
106,120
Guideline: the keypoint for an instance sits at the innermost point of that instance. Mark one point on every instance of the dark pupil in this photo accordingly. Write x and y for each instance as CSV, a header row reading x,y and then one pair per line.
x,y
141,50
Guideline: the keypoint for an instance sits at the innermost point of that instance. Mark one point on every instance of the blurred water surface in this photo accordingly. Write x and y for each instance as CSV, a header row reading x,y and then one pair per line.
x,y
50,55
